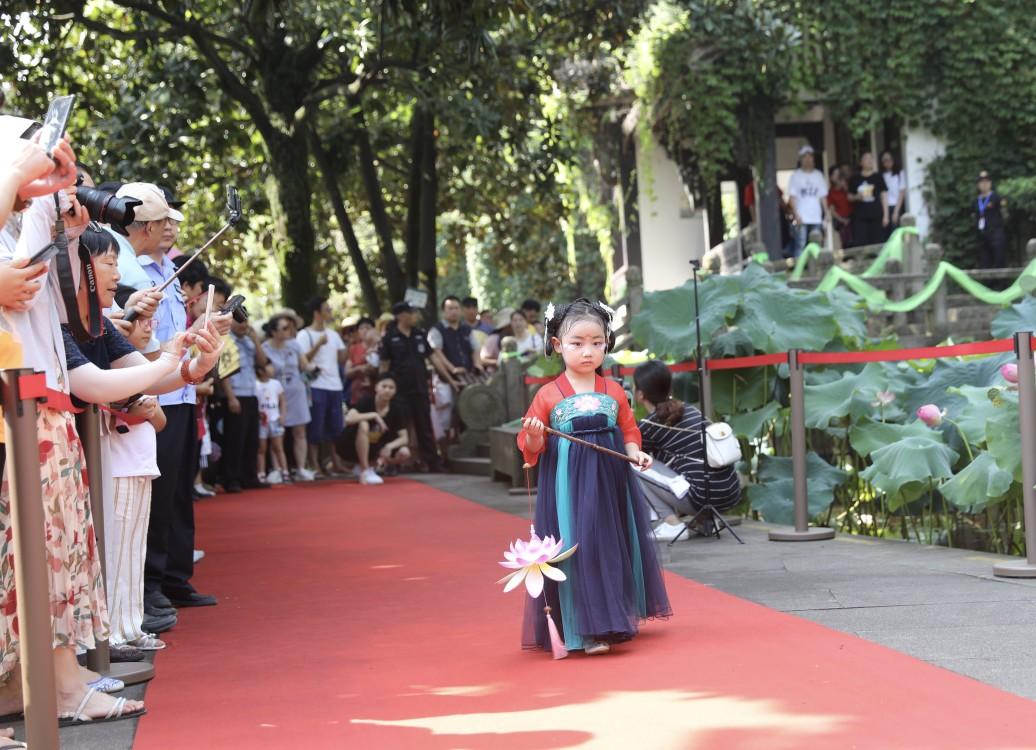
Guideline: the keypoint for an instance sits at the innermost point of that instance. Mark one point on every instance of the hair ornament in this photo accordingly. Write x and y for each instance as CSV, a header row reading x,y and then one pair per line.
x,y
548,314
611,314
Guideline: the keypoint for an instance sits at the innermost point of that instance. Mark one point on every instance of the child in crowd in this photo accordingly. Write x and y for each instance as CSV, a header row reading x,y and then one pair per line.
x,y
134,465
587,498
270,393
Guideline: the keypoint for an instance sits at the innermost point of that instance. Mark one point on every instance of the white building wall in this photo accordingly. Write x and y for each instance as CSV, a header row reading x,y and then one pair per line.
x,y
672,231
920,148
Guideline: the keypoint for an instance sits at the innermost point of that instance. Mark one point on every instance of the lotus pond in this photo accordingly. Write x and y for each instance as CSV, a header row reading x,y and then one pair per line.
x,y
874,466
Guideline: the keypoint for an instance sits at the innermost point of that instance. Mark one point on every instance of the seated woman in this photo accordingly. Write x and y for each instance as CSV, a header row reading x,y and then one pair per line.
x,y
375,430
672,433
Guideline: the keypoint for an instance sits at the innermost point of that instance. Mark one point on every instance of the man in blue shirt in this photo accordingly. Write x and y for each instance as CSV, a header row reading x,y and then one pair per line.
x,y
169,564
241,423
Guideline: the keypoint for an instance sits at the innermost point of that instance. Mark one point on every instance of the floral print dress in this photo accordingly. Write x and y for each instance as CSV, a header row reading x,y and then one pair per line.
x,y
79,614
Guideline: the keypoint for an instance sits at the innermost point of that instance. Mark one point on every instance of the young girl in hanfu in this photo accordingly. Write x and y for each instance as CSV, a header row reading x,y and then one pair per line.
x,y
585,497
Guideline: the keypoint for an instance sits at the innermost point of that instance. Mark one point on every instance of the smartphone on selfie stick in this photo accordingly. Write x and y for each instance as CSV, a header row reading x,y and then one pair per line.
x,y
55,123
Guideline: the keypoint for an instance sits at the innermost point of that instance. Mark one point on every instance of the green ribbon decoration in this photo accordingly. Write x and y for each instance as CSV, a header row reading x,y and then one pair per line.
x,y
876,299
891,250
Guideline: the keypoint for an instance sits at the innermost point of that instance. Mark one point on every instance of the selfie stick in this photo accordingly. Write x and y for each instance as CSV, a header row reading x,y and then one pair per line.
x,y
233,217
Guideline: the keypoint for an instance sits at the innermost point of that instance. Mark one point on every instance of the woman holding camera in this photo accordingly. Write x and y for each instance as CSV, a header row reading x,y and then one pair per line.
x,y
289,362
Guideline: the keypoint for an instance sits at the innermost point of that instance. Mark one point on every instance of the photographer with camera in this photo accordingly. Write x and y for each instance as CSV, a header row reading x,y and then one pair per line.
x,y
170,553
82,621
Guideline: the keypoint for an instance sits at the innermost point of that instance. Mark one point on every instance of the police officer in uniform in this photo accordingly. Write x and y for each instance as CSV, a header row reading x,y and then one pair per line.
x,y
990,240
403,352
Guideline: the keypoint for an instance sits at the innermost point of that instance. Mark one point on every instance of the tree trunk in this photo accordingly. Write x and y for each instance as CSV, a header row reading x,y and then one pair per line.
x,y
413,200
429,195
290,200
363,273
769,204
379,216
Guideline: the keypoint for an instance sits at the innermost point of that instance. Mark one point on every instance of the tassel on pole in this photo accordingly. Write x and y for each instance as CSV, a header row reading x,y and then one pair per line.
x,y
557,646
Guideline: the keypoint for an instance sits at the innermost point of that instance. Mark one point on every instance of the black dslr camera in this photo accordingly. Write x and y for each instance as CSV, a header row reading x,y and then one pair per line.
x,y
105,207
236,307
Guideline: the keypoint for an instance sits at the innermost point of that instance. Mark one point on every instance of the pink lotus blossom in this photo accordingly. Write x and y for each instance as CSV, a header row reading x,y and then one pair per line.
x,y
884,398
931,415
531,561
1009,372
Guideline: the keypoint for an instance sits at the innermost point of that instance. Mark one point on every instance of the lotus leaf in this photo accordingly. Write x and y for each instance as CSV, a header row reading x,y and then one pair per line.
x,y
750,423
794,319
867,436
977,485
733,343
1003,442
852,394
904,469
1020,316
980,408
774,496
953,373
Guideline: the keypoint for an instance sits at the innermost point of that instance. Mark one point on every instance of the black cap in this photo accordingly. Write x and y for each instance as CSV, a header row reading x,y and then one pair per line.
x,y
170,196
403,307
983,175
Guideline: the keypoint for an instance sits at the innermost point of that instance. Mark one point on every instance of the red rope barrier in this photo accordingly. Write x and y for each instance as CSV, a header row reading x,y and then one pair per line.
x,y
996,346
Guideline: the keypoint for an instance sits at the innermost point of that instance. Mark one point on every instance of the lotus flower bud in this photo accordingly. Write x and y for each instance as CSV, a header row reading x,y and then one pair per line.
x,y
931,415
1009,372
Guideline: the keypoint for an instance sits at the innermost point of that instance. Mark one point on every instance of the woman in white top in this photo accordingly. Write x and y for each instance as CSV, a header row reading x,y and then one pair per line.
x,y
896,187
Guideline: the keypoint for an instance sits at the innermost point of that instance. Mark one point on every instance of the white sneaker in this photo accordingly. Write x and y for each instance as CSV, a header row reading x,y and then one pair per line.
x,y
667,532
369,476
202,491
274,477
358,472
198,554
305,475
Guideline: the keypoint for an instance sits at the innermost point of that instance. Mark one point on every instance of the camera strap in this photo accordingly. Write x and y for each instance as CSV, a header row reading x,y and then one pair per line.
x,y
68,285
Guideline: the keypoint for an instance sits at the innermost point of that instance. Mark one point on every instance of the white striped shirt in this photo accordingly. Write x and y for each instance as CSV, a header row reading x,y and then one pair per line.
x,y
680,448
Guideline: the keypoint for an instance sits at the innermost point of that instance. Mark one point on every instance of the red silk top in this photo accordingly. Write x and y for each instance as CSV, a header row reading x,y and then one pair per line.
x,y
551,394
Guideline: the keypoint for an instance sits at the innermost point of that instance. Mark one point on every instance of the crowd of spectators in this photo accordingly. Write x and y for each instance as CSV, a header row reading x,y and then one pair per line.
x,y
197,400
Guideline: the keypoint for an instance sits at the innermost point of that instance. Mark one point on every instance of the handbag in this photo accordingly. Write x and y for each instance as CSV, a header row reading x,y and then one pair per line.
x,y
721,446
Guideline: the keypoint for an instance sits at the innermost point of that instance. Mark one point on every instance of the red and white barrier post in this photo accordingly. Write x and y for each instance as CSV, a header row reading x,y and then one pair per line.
x,y
802,531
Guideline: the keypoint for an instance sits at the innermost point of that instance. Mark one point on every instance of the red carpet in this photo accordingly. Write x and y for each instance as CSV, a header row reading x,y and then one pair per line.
x,y
367,617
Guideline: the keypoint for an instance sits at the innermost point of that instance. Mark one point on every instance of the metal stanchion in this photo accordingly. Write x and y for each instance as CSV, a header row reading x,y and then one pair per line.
x,y
1027,423
88,425
802,531
31,579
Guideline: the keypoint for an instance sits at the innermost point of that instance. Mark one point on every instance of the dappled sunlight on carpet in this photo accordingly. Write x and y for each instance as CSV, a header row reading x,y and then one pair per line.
x,y
368,617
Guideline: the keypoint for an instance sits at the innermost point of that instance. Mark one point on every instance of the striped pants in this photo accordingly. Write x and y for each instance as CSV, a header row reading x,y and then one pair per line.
x,y
125,542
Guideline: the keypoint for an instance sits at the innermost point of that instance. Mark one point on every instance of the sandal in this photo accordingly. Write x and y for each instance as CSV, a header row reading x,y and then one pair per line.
x,y
146,642
598,647
116,713
107,684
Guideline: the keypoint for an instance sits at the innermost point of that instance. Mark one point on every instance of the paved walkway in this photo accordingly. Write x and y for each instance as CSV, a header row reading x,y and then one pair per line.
x,y
943,606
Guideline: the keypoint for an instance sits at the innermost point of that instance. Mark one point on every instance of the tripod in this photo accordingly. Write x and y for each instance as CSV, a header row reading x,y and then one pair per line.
x,y
707,521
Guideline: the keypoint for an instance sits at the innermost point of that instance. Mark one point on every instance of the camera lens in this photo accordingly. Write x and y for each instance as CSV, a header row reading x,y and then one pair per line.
x,y
107,208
